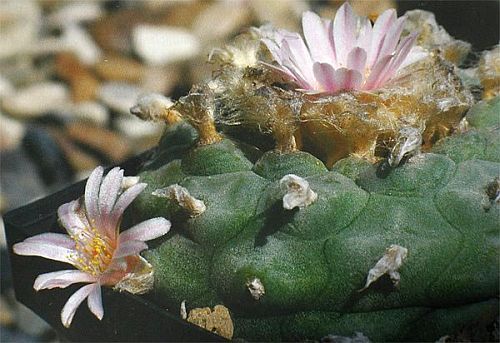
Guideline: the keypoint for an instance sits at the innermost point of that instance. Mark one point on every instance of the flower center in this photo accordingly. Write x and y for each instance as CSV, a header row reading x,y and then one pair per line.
x,y
94,251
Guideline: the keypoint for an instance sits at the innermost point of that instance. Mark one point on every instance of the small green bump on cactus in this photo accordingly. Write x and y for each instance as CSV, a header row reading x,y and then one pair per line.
x,y
217,158
482,141
485,114
492,150
177,135
465,203
176,140
146,204
273,165
227,210
407,221
182,271
420,176
462,147
331,212
352,167
294,278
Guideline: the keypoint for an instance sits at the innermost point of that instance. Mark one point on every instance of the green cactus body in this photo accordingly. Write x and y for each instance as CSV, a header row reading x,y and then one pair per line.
x,y
313,261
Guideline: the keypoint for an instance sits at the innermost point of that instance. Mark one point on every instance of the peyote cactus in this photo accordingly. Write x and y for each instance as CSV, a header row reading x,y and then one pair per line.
x,y
313,261
382,223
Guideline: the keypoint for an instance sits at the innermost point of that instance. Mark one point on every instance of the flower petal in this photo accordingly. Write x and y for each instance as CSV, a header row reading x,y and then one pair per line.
x,y
317,35
92,196
69,309
357,59
380,29
382,65
297,59
126,199
129,248
108,194
324,74
416,54
69,218
392,37
61,279
402,51
94,302
347,79
122,203
344,32
49,251
273,48
365,34
110,188
147,230
285,72
58,239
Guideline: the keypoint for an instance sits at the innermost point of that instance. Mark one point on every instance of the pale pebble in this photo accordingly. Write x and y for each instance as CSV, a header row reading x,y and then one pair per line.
x,y
36,100
160,45
20,22
119,96
160,79
91,111
75,12
77,40
158,5
209,26
282,14
11,133
6,88
136,129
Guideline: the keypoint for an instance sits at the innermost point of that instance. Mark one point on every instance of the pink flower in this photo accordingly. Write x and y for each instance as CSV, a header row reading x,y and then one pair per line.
x,y
103,255
347,53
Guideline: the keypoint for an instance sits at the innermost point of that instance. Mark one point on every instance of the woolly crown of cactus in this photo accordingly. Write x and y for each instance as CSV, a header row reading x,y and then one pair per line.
x,y
348,53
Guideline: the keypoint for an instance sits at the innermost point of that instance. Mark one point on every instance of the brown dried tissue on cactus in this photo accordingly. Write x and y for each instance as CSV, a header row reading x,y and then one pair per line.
x,y
347,93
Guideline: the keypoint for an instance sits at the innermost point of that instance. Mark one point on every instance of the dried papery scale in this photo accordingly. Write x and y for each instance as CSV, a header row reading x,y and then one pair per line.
x,y
389,264
433,36
489,72
194,207
270,110
298,193
255,288
408,143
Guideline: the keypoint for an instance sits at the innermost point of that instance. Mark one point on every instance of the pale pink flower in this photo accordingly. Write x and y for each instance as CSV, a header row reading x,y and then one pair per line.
x,y
347,53
94,244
